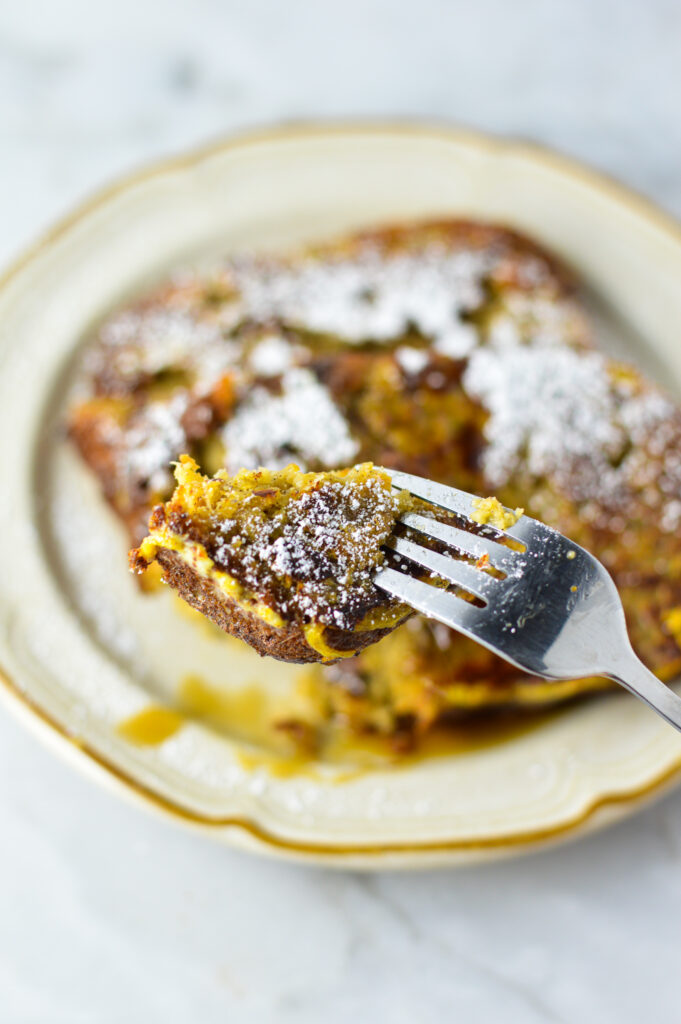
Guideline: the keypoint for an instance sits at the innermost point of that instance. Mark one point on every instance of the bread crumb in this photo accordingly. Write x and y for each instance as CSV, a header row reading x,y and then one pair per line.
x,y
490,512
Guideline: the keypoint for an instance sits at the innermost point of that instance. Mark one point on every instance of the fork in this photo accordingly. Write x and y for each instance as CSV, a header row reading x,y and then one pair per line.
x,y
551,608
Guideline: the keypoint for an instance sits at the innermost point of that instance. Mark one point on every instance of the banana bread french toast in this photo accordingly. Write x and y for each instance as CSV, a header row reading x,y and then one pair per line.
x,y
454,350
281,559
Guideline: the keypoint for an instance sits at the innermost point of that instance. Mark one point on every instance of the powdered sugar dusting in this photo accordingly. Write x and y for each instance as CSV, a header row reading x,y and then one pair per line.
x,y
327,541
156,438
530,393
201,330
301,425
457,342
271,356
562,413
412,360
143,343
555,409
536,317
370,296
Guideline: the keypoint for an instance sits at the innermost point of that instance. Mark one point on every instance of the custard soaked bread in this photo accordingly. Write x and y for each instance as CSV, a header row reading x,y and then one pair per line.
x,y
282,559
452,350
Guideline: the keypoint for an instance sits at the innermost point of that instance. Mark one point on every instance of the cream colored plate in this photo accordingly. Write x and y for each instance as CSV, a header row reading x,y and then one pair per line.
x,y
80,654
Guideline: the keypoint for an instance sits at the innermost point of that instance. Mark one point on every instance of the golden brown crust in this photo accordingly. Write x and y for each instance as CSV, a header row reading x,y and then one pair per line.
x,y
101,427
462,233
605,470
286,643
90,430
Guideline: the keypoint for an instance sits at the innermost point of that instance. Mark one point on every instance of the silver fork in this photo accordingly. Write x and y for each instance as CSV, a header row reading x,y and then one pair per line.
x,y
555,613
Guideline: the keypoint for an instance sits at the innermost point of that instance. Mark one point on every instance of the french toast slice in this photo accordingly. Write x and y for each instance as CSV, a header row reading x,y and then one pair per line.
x,y
281,559
453,350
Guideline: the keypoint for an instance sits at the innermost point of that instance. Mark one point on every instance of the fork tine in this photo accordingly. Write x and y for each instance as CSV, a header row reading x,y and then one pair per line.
x,y
478,583
473,544
433,602
449,498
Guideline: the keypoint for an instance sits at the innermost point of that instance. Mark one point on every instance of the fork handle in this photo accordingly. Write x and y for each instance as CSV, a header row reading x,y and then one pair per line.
x,y
640,681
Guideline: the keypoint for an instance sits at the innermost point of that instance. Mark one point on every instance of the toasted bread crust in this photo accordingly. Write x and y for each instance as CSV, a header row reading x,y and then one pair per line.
x,y
286,643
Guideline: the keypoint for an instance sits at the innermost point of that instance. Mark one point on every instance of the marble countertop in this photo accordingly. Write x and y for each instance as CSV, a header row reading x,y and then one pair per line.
x,y
108,914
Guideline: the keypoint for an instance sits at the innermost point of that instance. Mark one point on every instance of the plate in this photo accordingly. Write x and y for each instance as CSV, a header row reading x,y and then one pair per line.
x,y
81,649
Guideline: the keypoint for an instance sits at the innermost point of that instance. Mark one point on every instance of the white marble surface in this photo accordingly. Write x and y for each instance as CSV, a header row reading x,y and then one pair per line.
x,y
109,915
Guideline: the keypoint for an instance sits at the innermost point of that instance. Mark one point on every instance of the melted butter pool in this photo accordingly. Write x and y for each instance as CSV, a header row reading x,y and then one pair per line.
x,y
268,736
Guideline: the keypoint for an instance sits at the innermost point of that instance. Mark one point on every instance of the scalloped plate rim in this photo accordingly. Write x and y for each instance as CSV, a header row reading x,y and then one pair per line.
x,y
604,808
